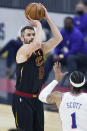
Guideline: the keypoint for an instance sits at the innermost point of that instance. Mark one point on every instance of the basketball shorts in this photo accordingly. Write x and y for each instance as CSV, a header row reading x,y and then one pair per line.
x,y
28,113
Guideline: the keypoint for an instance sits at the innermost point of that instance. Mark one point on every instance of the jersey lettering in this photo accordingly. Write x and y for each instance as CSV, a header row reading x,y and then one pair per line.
x,y
39,60
73,105
41,72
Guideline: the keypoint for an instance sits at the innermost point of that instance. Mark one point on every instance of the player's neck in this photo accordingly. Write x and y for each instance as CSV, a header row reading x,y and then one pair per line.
x,y
76,92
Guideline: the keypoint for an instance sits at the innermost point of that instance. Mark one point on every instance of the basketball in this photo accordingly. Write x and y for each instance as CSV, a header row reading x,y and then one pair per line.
x,y
35,11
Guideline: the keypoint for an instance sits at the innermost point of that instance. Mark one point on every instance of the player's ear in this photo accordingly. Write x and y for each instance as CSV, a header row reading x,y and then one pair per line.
x,y
22,39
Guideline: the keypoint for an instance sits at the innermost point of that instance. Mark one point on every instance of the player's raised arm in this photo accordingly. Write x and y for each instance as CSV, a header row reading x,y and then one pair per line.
x,y
55,97
57,37
31,41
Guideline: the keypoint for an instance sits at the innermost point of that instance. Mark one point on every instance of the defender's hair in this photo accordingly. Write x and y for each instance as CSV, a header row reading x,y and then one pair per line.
x,y
77,77
24,28
77,80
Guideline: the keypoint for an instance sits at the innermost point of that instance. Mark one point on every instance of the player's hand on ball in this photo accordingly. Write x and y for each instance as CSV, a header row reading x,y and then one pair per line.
x,y
58,74
46,13
33,22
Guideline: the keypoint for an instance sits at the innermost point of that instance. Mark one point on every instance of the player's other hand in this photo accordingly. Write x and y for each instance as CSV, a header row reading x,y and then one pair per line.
x,y
33,22
57,70
46,13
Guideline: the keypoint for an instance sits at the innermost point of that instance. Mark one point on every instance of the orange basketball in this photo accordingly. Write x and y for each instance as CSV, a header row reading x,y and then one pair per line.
x,y
35,11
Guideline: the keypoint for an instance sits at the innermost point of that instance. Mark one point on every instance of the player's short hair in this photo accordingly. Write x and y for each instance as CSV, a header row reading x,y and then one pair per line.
x,y
70,18
24,28
77,80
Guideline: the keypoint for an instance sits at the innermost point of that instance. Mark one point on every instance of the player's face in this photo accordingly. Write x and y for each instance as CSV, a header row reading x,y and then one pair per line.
x,y
28,36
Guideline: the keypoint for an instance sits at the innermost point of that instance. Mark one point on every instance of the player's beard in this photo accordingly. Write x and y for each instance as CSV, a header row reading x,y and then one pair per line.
x,y
31,40
28,42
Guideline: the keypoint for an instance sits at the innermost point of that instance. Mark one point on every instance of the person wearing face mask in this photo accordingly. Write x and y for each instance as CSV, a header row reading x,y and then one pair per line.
x,y
71,47
69,51
80,19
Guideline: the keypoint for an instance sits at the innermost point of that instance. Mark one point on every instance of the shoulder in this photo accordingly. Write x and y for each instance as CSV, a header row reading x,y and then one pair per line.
x,y
19,42
66,94
77,32
83,97
85,15
84,94
12,41
20,57
16,42
75,17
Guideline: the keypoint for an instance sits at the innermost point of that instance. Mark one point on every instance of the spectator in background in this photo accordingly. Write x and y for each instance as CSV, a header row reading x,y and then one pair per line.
x,y
70,51
73,47
12,46
80,20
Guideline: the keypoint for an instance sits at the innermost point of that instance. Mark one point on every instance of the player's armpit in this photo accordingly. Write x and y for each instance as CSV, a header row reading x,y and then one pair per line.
x,y
26,51
54,97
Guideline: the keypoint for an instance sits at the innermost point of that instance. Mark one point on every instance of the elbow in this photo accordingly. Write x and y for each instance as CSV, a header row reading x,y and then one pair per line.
x,y
59,38
42,98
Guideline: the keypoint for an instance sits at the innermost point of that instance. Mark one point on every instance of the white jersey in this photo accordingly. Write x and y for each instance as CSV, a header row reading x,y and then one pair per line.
x,y
73,112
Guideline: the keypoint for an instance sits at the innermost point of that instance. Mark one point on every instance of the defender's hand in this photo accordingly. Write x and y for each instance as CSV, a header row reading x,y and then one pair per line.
x,y
58,74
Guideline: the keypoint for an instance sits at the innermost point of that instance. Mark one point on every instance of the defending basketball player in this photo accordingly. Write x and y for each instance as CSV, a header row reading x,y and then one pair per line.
x,y
72,105
27,109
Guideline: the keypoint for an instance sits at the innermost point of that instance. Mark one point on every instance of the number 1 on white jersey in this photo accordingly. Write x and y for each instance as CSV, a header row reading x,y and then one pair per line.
x,y
73,115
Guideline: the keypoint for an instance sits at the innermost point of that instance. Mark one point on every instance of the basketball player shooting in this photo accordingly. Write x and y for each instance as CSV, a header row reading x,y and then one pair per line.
x,y
72,105
27,109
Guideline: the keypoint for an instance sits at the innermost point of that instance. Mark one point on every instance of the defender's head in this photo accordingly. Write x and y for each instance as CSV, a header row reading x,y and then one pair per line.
x,y
77,81
27,34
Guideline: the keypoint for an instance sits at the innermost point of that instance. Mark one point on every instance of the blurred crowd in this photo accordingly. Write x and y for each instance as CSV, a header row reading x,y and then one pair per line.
x,y
71,52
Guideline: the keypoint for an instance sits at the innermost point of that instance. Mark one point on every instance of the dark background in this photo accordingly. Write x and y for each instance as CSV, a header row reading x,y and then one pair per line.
x,y
63,6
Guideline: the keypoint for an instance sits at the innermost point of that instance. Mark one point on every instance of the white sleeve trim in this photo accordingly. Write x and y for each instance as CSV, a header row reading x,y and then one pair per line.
x,y
47,90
